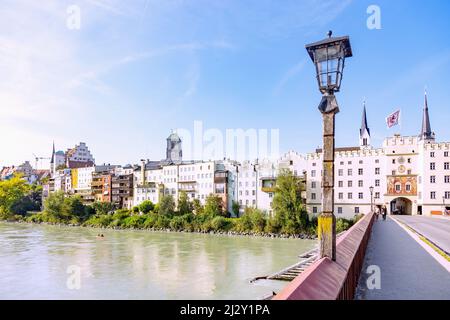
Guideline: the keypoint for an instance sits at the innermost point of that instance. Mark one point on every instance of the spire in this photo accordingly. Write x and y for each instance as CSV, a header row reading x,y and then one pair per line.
x,y
426,133
364,132
364,126
53,153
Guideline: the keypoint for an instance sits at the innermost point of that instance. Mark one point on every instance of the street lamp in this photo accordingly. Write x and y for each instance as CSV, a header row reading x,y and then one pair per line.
x,y
328,56
371,198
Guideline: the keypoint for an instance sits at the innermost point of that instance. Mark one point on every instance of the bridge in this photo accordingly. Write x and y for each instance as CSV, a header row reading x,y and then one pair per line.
x,y
402,257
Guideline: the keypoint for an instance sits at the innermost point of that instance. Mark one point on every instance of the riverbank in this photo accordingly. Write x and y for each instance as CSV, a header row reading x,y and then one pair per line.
x,y
168,230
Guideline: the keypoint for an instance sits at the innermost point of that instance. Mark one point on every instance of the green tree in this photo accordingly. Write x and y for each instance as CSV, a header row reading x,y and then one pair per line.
x,y
184,205
287,204
167,206
12,191
213,206
54,203
197,206
103,207
73,206
146,206
235,208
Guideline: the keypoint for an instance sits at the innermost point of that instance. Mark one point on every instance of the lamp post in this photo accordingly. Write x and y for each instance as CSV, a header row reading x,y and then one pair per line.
x,y
371,198
328,57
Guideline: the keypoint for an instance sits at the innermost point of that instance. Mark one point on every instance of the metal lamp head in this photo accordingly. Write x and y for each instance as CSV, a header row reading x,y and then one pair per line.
x,y
329,56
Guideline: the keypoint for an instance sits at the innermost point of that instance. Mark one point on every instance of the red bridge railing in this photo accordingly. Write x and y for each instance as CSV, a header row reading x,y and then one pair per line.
x,y
334,280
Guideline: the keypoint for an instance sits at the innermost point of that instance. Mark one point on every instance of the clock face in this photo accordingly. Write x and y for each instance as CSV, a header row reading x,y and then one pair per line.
x,y
401,169
401,160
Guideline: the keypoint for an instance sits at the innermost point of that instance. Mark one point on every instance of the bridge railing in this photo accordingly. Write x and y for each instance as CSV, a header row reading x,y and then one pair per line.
x,y
334,280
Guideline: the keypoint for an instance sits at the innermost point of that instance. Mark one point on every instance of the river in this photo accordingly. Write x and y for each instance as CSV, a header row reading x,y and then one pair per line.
x,y
53,262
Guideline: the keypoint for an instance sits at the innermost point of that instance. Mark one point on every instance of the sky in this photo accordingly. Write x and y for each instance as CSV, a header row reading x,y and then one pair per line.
x,y
134,70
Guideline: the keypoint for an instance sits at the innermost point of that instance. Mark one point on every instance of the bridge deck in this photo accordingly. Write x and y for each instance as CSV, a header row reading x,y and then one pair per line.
x,y
407,270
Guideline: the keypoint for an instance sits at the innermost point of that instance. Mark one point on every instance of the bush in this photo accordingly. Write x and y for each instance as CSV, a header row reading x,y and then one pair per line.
x,y
162,222
220,223
150,221
103,207
146,206
177,223
343,224
133,222
99,221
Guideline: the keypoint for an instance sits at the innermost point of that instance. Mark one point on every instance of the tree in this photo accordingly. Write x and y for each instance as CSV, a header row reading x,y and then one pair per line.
x,y
213,206
184,206
146,206
167,206
54,203
236,207
12,191
73,206
287,203
103,207
197,206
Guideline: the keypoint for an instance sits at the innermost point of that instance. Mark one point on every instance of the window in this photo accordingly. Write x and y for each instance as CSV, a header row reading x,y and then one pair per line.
x,y
339,210
349,172
313,184
377,170
377,183
350,196
393,161
446,154
377,161
447,195
409,171
447,179
377,195
360,171
313,196
340,196
433,195
342,163
314,164
446,165
340,184
340,172
313,173
432,154
360,183
398,187
350,183
360,195
409,160
432,179
357,210
314,209
360,162
393,172
432,166
408,187
349,162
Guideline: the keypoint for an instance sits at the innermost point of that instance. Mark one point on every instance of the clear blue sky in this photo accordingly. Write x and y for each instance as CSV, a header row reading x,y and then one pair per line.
x,y
137,69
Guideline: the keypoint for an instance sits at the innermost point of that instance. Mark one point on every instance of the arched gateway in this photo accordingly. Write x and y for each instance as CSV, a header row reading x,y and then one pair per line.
x,y
401,206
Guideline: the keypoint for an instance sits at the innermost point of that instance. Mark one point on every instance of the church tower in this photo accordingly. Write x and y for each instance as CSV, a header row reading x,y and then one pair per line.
x,y
426,134
174,153
364,132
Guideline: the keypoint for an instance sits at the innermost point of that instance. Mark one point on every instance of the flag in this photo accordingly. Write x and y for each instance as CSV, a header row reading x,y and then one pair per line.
x,y
393,119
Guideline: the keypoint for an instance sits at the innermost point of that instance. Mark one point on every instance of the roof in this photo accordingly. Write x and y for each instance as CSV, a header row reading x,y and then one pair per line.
x,y
342,149
328,41
364,125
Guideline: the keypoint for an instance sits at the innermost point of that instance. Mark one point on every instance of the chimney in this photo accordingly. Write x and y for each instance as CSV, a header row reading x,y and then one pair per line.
x,y
142,171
